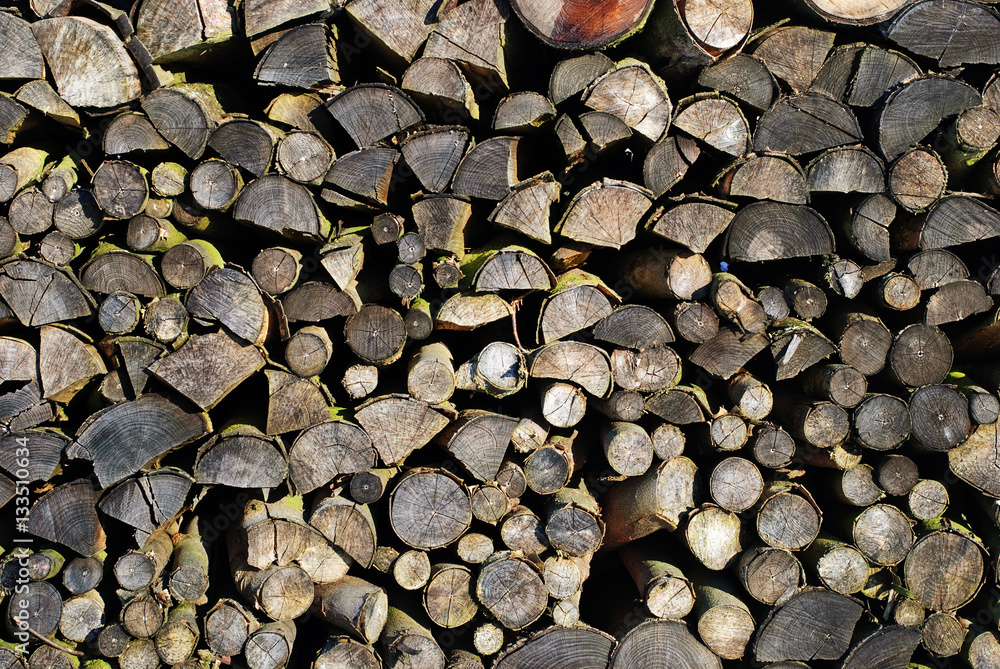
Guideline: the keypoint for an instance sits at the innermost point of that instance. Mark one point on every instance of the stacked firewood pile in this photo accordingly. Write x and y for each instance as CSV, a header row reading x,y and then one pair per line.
x,y
459,333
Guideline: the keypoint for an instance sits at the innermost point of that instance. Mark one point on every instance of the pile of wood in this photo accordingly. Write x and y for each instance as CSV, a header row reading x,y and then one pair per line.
x,y
461,333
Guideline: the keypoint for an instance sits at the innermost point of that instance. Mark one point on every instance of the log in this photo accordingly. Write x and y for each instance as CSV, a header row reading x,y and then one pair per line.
x,y
344,653
245,143
676,275
19,169
856,486
189,569
925,343
981,647
522,530
25,56
549,467
943,634
773,231
787,516
139,653
695,321
766,177
712,534
474,548
628,448
625,203
973,133
844,277
662,643
666,591
945,567
917,179
375,334
415,424
574,526
82,617
112,640
230,297
405,639
940,417
735,484
129,501
500,577
845,169
769,574
448,597
141,615
215,184
227,627
347,526
668,162
303,57
834,615
658,499
488,639
267,201
367,487
205,357
890,643
903,31
523,112
66,515
400,29
80,52
165,319
176,640
30,212
420,492
370,113
840,567
727,432
843,385
354,606
308,351
564,25
137,570
805,123
63,299
411,570
479,440
773,447
270,645
281,593
922,93
928,499
725,624
883,534
441,88
276,269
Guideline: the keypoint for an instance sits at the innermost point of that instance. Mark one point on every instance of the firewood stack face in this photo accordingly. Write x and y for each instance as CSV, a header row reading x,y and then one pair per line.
x,y
499,333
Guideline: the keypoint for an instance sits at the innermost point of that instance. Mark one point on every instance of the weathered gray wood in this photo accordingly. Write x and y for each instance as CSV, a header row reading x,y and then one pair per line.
x,y
123,438
80,52
348,526
504,574
353,605
424,494
833,617
217,356
770,574
661,644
